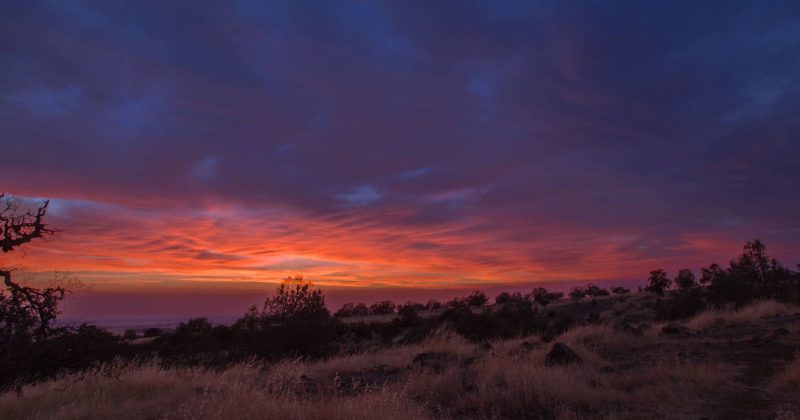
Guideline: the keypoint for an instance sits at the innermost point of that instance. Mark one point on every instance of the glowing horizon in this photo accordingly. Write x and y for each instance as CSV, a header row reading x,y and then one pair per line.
x,y
388,146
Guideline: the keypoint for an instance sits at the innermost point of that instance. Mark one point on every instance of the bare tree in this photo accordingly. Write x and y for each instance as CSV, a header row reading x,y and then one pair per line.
x,y
25,313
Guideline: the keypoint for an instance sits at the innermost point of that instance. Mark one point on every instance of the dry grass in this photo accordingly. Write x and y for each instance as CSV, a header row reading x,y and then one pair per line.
x,y
752,313
246,391
505,384
789,378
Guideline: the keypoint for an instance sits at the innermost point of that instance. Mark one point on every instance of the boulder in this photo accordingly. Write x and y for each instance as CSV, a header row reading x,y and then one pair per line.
x,y
561,354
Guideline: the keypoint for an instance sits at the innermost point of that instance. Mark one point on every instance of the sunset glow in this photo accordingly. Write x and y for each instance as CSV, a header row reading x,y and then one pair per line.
x,y
201,150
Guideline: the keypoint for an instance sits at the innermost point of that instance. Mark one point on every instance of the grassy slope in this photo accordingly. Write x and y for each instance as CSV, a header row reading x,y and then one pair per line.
x,y
718,371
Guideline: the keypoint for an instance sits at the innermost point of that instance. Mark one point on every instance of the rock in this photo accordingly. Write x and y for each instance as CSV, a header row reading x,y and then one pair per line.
x,y
435,361
644,326
675,329
561,354
628,329
780,332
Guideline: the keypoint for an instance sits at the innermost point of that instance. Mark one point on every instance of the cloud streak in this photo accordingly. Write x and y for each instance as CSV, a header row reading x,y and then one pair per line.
x,y
401,144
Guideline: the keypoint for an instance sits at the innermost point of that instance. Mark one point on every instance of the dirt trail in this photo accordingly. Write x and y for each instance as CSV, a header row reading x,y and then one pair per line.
x,y
757,358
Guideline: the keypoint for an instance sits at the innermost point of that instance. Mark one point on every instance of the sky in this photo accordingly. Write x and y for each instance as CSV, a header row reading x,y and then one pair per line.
x,y
396,149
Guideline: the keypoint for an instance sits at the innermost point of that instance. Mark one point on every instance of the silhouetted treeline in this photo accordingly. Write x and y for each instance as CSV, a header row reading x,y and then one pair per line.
x,y
751,276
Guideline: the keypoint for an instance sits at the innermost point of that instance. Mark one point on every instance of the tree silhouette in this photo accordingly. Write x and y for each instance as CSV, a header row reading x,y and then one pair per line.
x,y
577,293
685,279
476,298
295,299
658,282
26,313
542,297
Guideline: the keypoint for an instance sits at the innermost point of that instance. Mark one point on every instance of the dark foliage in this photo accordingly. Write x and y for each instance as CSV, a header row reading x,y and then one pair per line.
x,y
294,322
752,275
407,315
685,279
382,308
577,293
542,297
434,305
595,291
619,290
683,303
477,299
658,282
352,309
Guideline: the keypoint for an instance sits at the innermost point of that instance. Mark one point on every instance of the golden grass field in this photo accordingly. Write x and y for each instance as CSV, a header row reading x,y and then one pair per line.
x,y
715,372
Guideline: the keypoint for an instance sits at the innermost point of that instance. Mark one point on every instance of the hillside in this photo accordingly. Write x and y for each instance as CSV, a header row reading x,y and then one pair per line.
x,y
719,364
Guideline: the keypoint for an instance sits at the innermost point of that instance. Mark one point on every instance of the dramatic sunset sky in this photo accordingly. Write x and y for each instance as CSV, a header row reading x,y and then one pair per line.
x,y
205,150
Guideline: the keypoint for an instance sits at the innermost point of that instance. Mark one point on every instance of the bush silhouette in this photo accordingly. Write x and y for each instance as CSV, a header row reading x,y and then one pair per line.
x,y
685,279
407,315
619,290
542,297
477,299
658,283
434,305
382,308
752,275
352,309
577,293
595,291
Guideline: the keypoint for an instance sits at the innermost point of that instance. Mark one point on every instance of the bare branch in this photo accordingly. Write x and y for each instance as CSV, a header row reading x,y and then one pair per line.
x,y
20,227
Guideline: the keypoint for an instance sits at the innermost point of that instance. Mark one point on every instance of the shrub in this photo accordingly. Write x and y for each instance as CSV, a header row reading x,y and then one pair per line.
x,y
352,309
619,290
301,301
434,305
294,322
595,291
506,298
407,316
382,308
542,297
658,282
682,304
753,275
685,279
577,293
477,299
